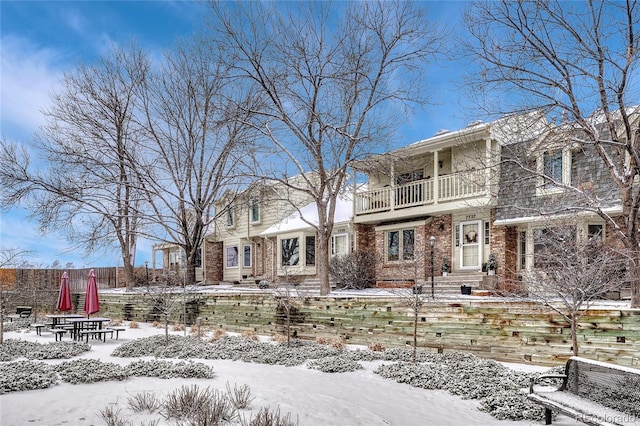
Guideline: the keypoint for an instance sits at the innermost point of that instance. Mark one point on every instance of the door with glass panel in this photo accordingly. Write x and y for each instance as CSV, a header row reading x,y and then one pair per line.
x,y
471,245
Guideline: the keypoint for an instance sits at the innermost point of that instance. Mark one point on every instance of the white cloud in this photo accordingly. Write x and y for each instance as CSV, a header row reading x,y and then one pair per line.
x,y
29,75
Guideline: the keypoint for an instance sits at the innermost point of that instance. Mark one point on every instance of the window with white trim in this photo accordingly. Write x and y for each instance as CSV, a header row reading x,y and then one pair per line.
x,y
554,169
289,251
229,216
232,257
310,250
400,245
339,244
246,255
254,210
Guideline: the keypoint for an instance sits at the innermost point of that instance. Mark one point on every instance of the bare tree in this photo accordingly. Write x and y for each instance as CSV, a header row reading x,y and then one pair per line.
x,y
331,80
576,63
82,181
355,270
573,271
193,140
9,257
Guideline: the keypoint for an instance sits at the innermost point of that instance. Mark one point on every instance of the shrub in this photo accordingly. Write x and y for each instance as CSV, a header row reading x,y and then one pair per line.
x,y
134,324
90,371
376,347
240,397
267,417
145,401
334,364
194,406
250,334
333,341
355,270
26,375
217,335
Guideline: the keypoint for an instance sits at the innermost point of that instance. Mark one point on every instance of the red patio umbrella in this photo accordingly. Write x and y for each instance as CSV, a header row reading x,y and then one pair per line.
x,y
64,297
91,302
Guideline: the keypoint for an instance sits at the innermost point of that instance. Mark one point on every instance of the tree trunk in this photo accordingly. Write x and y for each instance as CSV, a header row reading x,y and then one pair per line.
x,y
322,256
574,333
634,276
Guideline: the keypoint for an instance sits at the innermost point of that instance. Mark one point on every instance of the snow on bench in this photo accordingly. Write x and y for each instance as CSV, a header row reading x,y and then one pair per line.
x,y
592,392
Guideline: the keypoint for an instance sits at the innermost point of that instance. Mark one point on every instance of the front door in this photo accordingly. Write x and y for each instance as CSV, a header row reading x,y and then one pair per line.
x,y
470,245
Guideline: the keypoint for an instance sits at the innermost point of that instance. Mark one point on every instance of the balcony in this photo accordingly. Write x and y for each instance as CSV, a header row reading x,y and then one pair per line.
x,y
426,192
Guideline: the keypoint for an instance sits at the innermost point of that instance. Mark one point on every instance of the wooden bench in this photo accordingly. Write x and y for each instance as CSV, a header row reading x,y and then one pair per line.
x,y
100,334
592,392
117,330
58,332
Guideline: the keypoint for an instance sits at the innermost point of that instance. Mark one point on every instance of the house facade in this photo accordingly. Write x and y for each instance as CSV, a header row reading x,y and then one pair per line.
x,y
442,187
266,233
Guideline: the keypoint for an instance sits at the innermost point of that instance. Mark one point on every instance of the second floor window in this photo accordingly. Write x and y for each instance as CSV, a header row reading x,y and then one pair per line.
x,y
552,168
229,216
254,210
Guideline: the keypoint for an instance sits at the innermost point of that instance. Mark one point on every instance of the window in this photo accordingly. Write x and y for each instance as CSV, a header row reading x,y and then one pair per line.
x,y
290,251
310,250
229,216
487,226
552,168
400,245
339,244
199,258
595,232
232,257
254,210
523,250
246,260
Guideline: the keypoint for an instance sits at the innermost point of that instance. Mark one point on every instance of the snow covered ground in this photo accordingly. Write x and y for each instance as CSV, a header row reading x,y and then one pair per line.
x,y
310,396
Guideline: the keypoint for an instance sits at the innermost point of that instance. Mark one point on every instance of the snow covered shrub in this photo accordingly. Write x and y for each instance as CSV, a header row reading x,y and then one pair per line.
x,y
417,375
115,322
146,346
17,324
511,405
145,401
134,324
191,405
333,341
168,369
334,364
157,324
267,417
26,375
178,327
376,347
240,397
90,371
14,348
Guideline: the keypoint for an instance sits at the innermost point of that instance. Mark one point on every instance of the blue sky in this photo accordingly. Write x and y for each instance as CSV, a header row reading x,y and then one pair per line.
x,y
42,39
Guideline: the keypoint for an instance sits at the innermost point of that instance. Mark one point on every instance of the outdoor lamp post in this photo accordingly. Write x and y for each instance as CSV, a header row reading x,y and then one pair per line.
x,y
432,242
146,268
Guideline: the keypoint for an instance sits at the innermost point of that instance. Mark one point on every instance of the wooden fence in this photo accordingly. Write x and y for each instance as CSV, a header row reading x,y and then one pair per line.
x,y
49,279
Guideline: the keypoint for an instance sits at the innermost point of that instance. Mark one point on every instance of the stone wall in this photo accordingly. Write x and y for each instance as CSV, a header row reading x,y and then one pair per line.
x,y
503,330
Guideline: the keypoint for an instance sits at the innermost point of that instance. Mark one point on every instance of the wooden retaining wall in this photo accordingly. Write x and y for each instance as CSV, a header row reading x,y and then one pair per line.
x,y
506,331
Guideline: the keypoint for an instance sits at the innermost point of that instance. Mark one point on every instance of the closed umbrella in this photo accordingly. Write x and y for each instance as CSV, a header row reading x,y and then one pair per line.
x,y
91,302
64,297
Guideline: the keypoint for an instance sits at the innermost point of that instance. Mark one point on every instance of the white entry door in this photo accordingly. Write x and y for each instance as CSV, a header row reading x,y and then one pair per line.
x,y
471,245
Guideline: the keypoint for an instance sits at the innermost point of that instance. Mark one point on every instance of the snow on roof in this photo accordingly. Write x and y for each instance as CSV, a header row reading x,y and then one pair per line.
x,y
295,222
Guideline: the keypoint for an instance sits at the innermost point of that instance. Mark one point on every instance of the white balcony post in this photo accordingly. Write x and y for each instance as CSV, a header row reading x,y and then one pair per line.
x,y
392,196
436,180
489,163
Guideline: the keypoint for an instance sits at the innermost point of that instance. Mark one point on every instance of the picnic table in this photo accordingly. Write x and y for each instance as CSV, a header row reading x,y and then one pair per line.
x,y
81,325
59,319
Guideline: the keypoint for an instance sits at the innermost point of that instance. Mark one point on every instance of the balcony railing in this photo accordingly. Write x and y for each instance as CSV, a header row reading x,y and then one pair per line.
x,y
451,187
